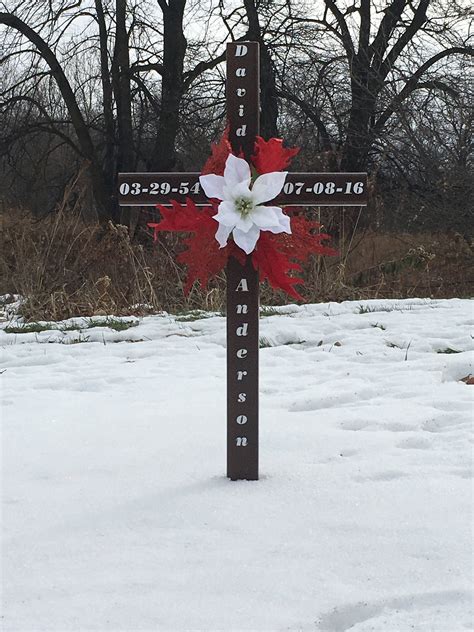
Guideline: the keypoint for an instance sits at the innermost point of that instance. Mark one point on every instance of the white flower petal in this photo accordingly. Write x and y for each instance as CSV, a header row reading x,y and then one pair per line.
x,y
239,190
268,186
283,225
247,241
227,215
232,189
236,170
213,186
277,229
244,223
222,235
265,217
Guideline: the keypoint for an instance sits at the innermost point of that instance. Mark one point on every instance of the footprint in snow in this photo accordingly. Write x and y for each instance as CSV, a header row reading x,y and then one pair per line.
x,y
416,607
467,473
415,443
360,424
445,423
389,475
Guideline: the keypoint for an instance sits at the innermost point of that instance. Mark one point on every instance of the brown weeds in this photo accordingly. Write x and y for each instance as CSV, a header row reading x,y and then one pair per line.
x,y
66,267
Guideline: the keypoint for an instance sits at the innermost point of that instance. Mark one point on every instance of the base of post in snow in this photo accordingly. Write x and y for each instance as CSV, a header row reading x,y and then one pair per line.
x,y
242,370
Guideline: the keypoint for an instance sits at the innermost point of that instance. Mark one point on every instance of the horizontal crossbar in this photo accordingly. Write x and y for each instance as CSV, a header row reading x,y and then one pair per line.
x,y
300,189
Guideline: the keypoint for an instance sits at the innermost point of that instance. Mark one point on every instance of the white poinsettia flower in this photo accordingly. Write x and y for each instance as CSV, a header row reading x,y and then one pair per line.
x,y
240,211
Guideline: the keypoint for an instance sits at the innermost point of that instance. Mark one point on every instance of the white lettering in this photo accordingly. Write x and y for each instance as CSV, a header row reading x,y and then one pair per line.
x,y
241,92
241,419
242,309
242,398
243,287
241,50
241,109
241,441
242,331
242,353
240,375
241,131
241,72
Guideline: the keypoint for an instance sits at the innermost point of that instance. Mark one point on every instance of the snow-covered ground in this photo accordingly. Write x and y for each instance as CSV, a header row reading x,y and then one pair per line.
x,y
117,514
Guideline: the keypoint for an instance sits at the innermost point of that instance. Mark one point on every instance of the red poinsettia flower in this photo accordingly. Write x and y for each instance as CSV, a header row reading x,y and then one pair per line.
x,y
275,253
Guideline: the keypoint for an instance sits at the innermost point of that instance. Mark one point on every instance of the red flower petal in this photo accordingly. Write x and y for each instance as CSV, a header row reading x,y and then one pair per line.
x,y
277,255
275,266
219,152
270,155
203,257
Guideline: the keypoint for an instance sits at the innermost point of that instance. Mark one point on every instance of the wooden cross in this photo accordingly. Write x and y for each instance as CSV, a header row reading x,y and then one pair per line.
x,y
300,189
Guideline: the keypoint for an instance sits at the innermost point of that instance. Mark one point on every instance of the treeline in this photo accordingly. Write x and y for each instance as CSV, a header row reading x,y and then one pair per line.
x,y
93,87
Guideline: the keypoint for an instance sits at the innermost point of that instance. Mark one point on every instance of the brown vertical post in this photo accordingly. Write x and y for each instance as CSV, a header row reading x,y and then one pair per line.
x,y
242,95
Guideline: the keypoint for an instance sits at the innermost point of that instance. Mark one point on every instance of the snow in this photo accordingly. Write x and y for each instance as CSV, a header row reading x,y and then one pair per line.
x,y
117,515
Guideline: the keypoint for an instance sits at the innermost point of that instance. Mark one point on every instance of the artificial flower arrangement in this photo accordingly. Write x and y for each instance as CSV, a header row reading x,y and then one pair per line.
x,y
237,222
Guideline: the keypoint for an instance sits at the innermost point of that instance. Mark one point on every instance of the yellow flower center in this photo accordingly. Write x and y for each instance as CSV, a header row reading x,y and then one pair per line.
x,y
244,206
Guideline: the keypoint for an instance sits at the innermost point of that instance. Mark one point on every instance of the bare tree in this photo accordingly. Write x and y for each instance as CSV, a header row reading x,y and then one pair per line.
x,y
110,33
389,50
139,84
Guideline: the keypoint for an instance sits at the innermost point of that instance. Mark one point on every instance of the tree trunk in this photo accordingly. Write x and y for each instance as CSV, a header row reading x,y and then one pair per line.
x,y
110,167
355,154
123,99
359,137
268,93
172,87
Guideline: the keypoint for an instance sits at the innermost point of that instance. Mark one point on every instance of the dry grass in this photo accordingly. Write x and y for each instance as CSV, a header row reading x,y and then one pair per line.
x,y
395,266
66,268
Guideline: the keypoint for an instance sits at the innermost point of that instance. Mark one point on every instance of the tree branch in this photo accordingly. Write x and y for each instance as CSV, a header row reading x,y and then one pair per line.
x,y
387,25
419,19
364,32
136,68
85,142
413,83
201,67
345,34
310,113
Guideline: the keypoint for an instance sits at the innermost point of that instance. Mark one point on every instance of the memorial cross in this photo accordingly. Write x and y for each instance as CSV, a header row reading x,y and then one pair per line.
x,y
300,189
